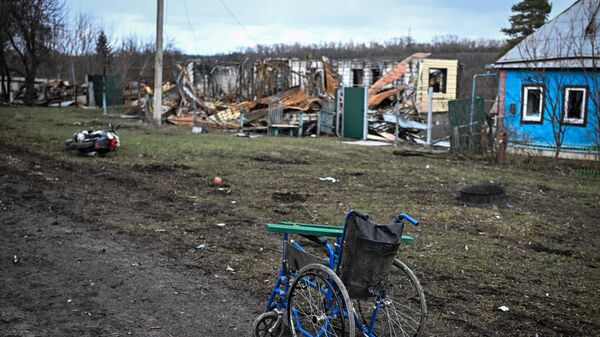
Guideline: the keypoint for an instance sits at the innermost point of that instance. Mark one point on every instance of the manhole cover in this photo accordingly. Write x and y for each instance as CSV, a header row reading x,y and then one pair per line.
x,y
482,194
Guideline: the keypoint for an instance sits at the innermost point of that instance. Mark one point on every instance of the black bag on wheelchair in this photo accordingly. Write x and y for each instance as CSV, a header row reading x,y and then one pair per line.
x,y
368,254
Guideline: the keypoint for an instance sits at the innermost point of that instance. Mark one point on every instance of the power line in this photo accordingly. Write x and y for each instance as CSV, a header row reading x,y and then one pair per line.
x,y
187,16
238,21
189,22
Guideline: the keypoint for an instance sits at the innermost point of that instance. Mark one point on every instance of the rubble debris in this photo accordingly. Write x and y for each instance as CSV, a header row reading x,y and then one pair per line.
x,y
397,73
49,92
372,143
419,152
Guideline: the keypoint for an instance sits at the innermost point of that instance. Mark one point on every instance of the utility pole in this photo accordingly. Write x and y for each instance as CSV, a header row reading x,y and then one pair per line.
x,y
158,63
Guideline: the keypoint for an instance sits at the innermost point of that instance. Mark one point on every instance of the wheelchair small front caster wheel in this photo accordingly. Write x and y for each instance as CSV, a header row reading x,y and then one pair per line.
x,y
268,324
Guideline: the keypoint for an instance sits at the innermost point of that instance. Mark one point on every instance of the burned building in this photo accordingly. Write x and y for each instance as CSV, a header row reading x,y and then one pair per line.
x,y
304,86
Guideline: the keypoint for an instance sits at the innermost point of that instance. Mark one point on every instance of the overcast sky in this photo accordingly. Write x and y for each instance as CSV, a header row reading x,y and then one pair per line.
x,y
207,27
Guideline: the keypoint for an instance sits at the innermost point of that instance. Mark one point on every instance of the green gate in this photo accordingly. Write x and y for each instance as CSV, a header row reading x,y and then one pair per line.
x,y
114,89
466,122
355,113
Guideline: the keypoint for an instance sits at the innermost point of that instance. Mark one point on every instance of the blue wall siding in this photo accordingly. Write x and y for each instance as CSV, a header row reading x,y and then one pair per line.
x,y
554,81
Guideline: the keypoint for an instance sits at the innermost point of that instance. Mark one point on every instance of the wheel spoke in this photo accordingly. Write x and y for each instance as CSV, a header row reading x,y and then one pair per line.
x,y
402,310
317,305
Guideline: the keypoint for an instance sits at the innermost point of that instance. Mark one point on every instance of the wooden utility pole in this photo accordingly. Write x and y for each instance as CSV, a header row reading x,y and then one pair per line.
x,y
158,63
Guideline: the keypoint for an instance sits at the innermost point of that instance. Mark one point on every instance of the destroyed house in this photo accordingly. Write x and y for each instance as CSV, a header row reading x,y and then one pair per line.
x,y
292,91
214,80
549,86
269,76
423,73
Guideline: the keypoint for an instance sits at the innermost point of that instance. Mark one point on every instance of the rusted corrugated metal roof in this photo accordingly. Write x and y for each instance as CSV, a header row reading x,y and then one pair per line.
x,y
395,73
380,97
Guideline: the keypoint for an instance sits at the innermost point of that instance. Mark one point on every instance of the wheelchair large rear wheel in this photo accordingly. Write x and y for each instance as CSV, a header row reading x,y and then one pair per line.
x,y
319,305
402,309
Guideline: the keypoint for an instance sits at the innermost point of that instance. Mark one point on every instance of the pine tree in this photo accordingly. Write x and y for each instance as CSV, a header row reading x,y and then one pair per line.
x,y
529,15
103,50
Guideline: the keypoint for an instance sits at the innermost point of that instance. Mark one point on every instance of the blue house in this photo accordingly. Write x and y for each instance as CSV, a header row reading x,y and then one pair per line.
x,y
549,90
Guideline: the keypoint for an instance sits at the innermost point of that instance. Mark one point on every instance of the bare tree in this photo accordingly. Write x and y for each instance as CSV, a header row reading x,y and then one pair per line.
x,y
36,23
6,28
84,32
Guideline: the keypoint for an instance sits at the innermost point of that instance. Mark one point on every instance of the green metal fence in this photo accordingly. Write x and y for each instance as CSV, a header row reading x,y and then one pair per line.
x,y
468,125
114,88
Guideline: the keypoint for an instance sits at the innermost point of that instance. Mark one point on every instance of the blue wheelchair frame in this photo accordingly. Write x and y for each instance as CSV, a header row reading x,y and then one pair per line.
x,y
278,298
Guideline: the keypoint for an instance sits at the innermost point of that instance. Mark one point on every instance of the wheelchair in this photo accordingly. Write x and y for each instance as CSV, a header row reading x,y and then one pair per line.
x,y
358,287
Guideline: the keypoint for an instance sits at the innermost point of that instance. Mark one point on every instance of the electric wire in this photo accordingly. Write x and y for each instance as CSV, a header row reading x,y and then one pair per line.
x,y
238,21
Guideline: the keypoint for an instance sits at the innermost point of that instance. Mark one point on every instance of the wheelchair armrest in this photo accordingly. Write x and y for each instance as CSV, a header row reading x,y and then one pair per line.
x,y
316,239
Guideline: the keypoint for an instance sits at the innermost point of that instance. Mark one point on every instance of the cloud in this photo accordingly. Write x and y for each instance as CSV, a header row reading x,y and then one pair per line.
x,y
208,28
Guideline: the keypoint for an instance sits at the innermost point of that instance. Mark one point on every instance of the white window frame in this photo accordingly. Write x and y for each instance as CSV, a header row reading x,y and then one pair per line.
x,y
524,112
575,121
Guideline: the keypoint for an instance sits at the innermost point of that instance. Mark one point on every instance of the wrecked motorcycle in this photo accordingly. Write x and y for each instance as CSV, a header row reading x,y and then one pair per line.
x,y
94,142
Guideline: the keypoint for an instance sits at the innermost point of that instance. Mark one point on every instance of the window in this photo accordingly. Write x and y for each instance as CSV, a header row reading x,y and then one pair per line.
x,y
437,79
376,74
574,108
532,110
357,77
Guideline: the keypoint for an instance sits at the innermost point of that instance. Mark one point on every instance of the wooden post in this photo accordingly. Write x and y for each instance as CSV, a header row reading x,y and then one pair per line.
x,y
455,140
429,116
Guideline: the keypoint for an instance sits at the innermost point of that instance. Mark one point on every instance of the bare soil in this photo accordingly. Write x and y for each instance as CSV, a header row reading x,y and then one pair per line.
x,y
67,271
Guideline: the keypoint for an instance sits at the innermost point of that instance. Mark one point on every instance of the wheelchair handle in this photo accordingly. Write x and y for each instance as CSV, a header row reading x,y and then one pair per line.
x,y
406,217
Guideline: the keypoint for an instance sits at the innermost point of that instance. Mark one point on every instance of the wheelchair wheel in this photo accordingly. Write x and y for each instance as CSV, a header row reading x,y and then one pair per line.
x,y
319,305
402,306
268,324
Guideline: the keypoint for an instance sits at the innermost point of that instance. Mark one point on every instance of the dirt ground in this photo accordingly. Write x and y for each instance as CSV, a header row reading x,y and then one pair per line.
x,y
108,246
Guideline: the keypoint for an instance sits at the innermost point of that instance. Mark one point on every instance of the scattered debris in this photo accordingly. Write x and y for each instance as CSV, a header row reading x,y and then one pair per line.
x,y
229,269
220,225
503,308
299,96
332,179
15,259
200,245
368,143
419,152
218,180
